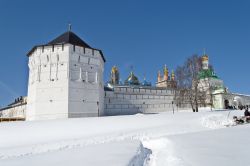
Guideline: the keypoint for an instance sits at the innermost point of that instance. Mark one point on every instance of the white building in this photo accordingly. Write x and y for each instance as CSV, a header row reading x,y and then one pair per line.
x,y
15,110
65,79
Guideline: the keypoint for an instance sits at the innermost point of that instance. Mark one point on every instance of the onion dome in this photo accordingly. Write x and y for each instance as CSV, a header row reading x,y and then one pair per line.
x,y
165,71
114,69
204,57
132,80
172,75
145,83
114,76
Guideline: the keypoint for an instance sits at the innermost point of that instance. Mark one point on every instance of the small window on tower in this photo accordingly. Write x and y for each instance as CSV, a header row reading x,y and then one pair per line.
x,y
74,48
47,58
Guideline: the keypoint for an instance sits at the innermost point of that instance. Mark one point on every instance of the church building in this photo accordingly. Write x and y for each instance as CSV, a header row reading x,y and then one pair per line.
x,y
166,81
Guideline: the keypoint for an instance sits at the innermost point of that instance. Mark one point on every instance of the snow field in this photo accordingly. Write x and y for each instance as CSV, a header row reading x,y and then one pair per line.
x,y
50,141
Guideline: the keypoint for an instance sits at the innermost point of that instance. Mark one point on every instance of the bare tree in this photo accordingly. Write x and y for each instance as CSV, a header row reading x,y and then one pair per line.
x,y
188,81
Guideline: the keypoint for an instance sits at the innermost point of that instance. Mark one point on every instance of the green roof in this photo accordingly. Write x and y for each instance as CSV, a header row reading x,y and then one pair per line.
x,y
208,73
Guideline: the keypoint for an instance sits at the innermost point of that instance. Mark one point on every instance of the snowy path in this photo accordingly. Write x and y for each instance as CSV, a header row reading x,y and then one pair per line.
x,y
41,140
163,153
129,152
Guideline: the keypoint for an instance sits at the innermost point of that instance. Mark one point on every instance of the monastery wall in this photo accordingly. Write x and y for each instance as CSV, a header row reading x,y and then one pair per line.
x,y
132,100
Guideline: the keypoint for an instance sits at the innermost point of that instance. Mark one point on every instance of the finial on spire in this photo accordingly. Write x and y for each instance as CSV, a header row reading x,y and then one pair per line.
x,y
69,27
204,51
131,68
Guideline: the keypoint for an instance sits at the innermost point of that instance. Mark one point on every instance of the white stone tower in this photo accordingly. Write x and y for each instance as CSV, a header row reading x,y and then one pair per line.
x,y
65,79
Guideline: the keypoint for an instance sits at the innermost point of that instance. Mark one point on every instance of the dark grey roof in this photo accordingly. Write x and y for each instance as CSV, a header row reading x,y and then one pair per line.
x,y
69,37
65,38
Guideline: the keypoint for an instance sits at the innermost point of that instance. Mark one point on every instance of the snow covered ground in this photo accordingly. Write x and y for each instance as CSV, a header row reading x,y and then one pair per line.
x,y
180,139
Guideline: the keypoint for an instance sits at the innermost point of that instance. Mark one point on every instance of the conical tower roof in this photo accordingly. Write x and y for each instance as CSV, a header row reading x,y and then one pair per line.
x,y
71,38
66,38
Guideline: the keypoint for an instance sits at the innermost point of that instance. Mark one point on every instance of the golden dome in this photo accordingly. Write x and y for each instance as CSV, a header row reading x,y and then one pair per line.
x,y
165,70
204,57
114,69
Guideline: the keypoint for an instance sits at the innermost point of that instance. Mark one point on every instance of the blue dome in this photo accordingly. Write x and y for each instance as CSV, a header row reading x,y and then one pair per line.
x,y
132,80
145,83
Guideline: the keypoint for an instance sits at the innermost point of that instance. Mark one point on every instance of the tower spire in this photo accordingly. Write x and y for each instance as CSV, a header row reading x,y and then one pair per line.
x,y
69,27
165,70
204,51
204,58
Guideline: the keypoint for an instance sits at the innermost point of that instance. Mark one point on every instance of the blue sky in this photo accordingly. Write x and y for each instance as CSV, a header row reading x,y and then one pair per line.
x,y
146,34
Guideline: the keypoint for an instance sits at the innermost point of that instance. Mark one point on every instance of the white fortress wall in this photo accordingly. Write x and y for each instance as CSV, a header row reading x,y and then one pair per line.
x,y
131,100
86,82
48,82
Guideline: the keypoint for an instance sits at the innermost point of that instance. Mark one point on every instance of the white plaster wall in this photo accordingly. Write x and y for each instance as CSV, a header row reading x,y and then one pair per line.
x,y
125,101
86,83
48,83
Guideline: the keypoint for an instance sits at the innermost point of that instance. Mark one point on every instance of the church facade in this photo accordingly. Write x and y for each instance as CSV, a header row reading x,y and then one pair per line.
x,y
216,92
